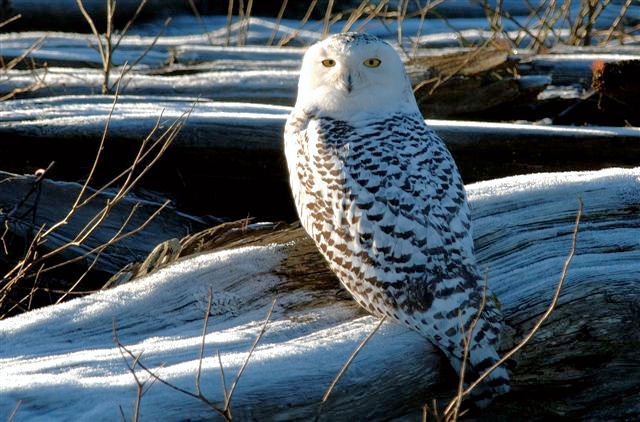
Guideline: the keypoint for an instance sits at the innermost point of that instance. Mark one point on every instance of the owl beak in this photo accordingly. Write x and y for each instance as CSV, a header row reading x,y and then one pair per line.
x,y
345,82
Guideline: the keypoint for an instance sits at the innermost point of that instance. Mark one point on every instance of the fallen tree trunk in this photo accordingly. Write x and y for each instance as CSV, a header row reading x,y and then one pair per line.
x,y
583,363
233,151
258,86
28,203
567,69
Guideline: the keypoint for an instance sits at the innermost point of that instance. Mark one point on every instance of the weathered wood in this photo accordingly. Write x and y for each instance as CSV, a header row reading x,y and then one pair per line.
x,y
618,80
582,364
258,86
467,96
26,205
566,69
80,50
233,152
208,53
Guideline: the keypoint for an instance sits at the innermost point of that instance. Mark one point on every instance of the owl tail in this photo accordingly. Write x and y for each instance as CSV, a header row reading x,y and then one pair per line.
x,y
495,384
482,356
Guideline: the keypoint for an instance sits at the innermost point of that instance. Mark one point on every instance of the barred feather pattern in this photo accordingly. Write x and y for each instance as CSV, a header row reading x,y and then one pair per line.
x,y
383,200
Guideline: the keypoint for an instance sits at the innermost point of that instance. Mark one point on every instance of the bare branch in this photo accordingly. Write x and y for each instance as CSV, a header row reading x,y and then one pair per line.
x,y
92,25
196,13
13,413
222,377
126,68
285,39
227,402
340,373
11,19
13,62
278,20
228,25
204,334
141,6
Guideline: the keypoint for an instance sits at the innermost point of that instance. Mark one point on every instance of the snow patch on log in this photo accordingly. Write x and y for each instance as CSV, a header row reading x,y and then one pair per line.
x,y
61,361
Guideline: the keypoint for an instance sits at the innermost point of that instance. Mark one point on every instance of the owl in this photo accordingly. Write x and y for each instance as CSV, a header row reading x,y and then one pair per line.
x,y
380,195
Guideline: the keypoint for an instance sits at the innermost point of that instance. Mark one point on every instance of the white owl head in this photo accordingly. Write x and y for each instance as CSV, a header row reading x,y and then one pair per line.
x,y
351,73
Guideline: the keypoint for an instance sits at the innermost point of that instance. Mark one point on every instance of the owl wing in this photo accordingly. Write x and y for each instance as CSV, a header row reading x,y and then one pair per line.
x,y
408,187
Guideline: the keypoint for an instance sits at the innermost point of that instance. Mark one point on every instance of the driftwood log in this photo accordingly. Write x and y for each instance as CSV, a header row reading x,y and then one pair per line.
x,y
582,364
231,154
28,203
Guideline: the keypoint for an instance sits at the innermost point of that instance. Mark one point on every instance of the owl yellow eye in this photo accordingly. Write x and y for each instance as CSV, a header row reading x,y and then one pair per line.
x,y
372,62
328,62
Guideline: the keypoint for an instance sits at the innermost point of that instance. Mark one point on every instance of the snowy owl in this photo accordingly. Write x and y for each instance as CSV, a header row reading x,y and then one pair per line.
x,y
381,196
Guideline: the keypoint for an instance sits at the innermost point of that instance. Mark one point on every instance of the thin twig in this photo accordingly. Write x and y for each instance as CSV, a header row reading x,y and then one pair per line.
x,y
122,347
372,15
278,20
227,402
196,13
94,30
285,39
327,17
618,20
204,334
12,415
243,34
541,320
222,377
227,39
13,62
11,19
353,355
226,411
142,4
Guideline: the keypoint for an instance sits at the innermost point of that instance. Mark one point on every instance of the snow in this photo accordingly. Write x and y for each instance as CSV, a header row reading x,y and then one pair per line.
x,y
61,363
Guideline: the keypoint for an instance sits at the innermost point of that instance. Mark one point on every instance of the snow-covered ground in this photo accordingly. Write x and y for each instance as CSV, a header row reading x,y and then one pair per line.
x,y
61,363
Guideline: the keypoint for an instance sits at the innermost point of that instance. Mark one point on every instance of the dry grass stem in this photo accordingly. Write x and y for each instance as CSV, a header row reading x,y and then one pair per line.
x,y
140,385
373,14
126,27
126,67
354,15
223,379
227,402
327,18
106,51
346,365
227,39
38,80
13,62
204,335
11,19
243,32
616,23
200,397
196,13
272,37
287,38
13,413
